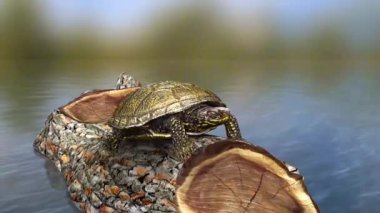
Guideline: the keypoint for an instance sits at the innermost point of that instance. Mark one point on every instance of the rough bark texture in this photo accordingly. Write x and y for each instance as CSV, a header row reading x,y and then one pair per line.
x,y
137,177
140,177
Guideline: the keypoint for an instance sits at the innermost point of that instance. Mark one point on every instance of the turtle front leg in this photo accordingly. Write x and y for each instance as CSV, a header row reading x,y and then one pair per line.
x,y
182,146
114,140
232,128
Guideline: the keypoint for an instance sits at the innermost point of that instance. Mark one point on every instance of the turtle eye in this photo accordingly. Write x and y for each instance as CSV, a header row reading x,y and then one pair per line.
x,y
213,114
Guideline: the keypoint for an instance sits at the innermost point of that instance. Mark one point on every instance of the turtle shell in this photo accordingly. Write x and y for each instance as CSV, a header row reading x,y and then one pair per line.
x,y
159,99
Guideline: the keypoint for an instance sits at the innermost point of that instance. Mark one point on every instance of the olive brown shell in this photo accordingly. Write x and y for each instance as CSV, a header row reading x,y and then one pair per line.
x,y
159,99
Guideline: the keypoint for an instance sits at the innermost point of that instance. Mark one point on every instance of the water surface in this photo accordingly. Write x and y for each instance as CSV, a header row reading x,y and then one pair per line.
x,y
324,118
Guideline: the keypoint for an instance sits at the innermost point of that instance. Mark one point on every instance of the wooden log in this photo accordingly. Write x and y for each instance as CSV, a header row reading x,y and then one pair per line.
x,y
231,176
141,177
96,106
223,176
138,176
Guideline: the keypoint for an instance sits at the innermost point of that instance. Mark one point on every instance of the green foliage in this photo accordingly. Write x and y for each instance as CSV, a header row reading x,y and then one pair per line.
x,y
22,35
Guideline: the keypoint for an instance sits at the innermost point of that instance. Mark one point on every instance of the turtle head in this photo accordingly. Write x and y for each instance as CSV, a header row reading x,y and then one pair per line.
x,y
212,116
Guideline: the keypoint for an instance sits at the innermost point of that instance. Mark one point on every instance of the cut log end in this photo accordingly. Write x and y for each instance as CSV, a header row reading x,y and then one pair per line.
x,y
95,106
232,176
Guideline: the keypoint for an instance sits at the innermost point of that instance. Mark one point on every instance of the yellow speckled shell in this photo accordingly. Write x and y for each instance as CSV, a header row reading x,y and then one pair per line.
x,y
159,99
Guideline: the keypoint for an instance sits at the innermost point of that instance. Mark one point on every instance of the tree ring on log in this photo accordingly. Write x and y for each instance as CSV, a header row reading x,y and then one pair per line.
x,y
95,106
231,176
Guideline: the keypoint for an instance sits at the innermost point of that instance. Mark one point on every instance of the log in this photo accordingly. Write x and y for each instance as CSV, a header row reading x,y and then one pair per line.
x,y
231,176
140,176
95,106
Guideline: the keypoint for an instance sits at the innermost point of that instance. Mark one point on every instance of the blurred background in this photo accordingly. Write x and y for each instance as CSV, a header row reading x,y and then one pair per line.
x,y
302,78
77,30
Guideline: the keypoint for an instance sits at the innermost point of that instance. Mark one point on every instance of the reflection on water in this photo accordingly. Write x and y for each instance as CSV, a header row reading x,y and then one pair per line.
x,y
321,117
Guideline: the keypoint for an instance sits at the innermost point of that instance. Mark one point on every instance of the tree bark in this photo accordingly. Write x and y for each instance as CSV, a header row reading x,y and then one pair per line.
x,y
140,176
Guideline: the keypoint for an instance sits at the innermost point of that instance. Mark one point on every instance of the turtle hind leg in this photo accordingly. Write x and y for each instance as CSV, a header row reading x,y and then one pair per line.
x,y
232,128
182,147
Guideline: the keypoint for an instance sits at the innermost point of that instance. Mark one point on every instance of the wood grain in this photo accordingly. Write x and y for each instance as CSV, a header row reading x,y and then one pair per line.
x,y
96,106
231,176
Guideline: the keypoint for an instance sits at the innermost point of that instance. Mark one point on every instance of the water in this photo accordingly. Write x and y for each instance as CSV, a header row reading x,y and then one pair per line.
x,y
324,118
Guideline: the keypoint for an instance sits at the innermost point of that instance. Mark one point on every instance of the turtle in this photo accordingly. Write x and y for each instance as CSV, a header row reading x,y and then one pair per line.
x,y
172,109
